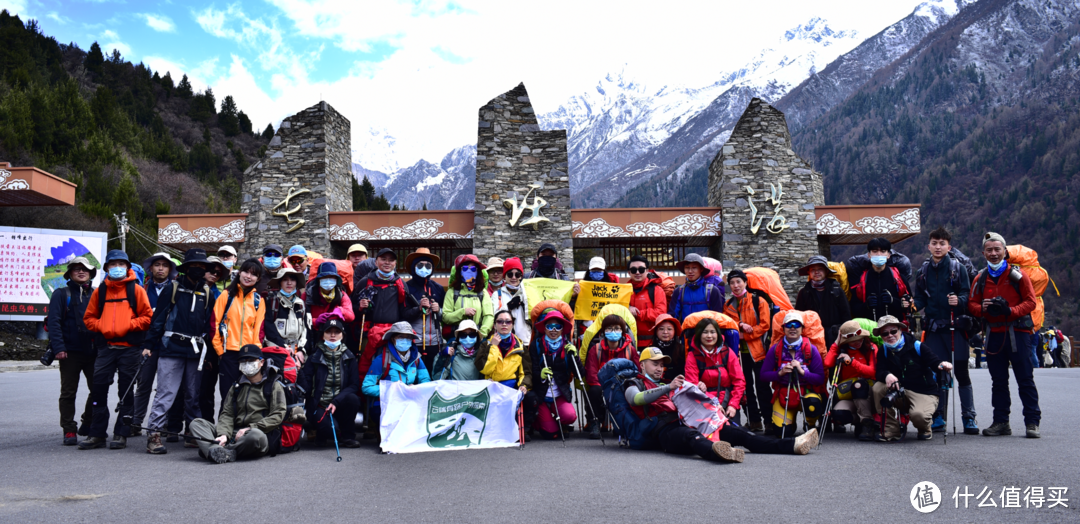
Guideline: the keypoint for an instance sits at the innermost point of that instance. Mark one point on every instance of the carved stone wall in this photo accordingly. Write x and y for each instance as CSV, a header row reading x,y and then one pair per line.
x,y
512,153
311,151
758,156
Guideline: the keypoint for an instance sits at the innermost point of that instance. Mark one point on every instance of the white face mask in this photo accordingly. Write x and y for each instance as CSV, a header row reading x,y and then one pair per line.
x,y
250,368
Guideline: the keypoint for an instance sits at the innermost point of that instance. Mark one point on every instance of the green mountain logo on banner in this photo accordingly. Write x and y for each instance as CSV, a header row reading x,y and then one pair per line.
x,y
457,422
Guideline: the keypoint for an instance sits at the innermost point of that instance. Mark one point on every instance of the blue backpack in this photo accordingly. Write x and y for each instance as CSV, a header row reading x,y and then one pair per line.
x,y
640,433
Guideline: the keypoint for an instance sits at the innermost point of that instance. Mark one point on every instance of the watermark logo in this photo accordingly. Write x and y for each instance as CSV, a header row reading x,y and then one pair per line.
x,y
925,497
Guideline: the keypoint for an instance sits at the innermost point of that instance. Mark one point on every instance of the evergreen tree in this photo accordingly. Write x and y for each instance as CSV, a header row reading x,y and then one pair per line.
x,y
184,88
268,133
245,123
359,202
227,117
94,59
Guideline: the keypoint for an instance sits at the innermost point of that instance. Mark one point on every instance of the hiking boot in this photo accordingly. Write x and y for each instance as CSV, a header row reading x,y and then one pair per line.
x,y
1033,431
190,442
70,439
805,442
939,424
136,431
926,436
594,433
756,427
351,443
971,427
221,455
868,429
726,453
883,438
118,442
172,438
92,442
998,429
154,445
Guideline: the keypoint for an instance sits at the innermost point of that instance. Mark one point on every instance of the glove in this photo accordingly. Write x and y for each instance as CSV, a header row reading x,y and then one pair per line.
x,y
571,350
545,374
871,300
514,303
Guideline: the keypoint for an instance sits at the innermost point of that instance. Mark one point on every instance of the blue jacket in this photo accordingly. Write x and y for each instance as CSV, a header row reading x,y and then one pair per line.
x,y
313,376
410,372
691,297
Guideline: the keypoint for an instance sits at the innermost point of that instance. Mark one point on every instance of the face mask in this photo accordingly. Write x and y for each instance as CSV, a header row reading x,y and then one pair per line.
x,y
196,273
287,294
878,260
403,345
384,275
546,263
995,267
899,342
250,368
228,264
554,343
613,335
512,289
272,262
327,283
117,273
596,275
468,272
423,272
468,341
332,344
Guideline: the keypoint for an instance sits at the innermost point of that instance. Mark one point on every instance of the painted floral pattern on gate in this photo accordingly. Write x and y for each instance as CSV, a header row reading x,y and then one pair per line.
x,y
422,228
230,232
907,221
688,225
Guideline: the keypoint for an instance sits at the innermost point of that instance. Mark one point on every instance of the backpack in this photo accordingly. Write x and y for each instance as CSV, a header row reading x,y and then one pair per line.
x,y
640,433
133,338
665,281
859,290
1027,260
172,312
767,282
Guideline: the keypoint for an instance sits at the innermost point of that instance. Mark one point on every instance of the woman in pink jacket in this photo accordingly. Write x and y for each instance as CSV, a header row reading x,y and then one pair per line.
x,y
714,368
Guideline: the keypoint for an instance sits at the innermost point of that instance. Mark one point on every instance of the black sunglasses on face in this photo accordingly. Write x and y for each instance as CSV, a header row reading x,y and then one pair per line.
x,y
638,270
890,332
424,265
514,274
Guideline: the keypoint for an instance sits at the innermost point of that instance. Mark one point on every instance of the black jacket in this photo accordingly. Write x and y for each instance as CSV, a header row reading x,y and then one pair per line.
x,y
187,321
313,376
67,331
888,295
933,285
858,264
915,371
561,368
388,304
830,304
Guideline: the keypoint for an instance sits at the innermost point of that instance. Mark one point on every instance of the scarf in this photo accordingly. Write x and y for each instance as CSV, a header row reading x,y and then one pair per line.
x,y
506,343
793,347
739,295
999,272
332,386
818,286
328,297
548,349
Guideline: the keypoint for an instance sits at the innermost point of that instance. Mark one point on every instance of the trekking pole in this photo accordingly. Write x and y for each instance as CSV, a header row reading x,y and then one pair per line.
x,y
333,429
554,401
132,384
952,342
783,406
829,404
424,330
589,402
802,408
521,424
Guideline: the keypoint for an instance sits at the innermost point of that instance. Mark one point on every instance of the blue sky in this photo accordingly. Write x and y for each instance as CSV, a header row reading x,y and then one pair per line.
x,y
418,70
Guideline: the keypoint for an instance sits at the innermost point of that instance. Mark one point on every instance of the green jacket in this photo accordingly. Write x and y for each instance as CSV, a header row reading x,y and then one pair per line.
x,y
252,410
455,302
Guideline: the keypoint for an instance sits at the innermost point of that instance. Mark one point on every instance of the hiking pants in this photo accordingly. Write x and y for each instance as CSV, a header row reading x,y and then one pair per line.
x,y
678,439
176,378
998,356
144,391
918,406
545,421
77,363
228,374
122,361
739,436
345,410
207,386
253,444
939,343
758,391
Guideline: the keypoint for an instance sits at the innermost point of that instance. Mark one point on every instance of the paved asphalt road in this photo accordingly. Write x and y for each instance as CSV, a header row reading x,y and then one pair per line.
x,y
844,480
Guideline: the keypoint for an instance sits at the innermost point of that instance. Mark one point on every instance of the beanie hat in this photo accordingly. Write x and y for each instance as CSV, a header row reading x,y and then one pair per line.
x,y
512,263
736,273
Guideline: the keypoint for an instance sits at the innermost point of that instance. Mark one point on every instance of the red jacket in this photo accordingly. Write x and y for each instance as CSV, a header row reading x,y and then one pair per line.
x,y
117,319
861,366
714,372
1021,304
595,360
648,309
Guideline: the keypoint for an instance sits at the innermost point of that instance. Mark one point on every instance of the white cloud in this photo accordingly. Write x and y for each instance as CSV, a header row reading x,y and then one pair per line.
x,y
15,7
159,23
58,18
112,41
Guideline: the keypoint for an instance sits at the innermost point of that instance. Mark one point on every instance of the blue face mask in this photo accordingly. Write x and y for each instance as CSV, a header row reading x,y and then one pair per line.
x,y
995,267
332,344
272,262
423,272
403,345
879,260
554,343
613,335
469,272
596,275
287,294
384,275
228,264
327,283
117,273
468,341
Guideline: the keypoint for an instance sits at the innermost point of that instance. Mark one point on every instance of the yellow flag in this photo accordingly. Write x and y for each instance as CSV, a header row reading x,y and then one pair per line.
x,y
595,295
538,290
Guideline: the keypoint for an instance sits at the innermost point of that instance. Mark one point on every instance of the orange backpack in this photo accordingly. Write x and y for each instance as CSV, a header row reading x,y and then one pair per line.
x,y
1027,260
811,329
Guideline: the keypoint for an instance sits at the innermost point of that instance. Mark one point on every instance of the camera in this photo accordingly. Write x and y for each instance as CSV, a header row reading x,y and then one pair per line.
x,y
998,307
889,401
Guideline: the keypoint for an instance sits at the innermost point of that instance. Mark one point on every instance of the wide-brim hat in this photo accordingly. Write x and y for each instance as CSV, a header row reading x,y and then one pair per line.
x,y
664,317
816,260
851,331
328,270
889,320
696,259
421,252
80,261
356,248
146,264
466,324
401,328
218,267
287,272
192,256
541,324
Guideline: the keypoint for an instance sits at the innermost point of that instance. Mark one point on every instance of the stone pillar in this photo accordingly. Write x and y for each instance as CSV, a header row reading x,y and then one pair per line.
x,y
758,156
512,154
311,150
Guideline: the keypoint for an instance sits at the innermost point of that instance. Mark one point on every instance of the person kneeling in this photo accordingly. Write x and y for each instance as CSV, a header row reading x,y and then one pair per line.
x,y
247,418
330,380
906,381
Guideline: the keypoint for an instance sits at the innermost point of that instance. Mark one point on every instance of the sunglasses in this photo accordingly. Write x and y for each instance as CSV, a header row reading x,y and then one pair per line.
x,y
296,260
849,335
515,274
554,327
638,270
792,325
890,332
272,255
504,322
426,265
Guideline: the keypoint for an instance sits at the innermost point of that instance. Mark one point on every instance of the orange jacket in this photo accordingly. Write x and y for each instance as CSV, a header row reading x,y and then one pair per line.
x,y
242,322
742,310
117,320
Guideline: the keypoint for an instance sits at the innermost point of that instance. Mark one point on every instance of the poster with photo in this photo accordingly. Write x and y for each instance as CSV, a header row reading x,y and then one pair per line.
x,y
32,266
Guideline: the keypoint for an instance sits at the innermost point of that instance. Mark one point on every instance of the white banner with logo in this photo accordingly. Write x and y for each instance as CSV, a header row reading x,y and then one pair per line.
x,y
448,414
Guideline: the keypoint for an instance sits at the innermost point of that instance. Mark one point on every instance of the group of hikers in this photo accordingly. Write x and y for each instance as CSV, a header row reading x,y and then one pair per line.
x,y
299,345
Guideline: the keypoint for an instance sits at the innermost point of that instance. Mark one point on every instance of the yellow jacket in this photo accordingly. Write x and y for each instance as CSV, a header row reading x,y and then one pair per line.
x,y
509,367
243,321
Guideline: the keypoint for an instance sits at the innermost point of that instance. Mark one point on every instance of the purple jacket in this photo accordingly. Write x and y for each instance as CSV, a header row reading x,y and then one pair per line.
x,y
815,372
